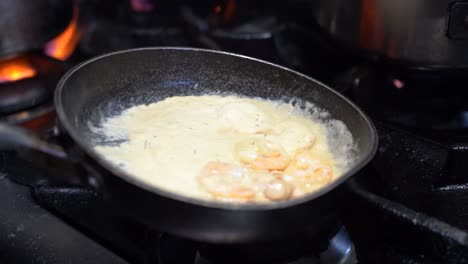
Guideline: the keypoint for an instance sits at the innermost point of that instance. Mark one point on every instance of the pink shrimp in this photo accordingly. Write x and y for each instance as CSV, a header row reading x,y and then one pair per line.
x,y
306,170
261,155
226,181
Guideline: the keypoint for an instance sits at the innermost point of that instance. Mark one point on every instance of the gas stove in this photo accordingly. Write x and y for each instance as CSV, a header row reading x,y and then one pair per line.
x,y
407,206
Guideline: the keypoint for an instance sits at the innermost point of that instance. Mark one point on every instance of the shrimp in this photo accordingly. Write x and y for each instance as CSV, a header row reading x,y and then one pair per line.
x,y
273,160
299,136
278,189
226,181
261,155
307,171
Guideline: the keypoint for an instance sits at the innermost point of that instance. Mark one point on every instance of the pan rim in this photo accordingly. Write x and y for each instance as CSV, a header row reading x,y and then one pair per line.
x,y
127,177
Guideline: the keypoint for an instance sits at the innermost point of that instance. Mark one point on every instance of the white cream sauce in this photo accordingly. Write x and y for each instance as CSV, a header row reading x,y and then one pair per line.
x,y
169,142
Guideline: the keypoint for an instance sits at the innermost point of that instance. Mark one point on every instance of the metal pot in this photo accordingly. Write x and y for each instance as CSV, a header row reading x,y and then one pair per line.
x,y
432,34
29,24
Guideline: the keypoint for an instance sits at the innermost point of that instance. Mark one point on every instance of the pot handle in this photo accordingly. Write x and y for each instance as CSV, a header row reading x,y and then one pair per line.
x,y
14,137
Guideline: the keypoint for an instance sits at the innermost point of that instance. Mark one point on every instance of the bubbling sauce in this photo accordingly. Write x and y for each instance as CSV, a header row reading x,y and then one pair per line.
x,y
224,148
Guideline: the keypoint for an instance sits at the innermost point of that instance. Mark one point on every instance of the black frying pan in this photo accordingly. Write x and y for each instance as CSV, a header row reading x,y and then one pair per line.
x,y
106,85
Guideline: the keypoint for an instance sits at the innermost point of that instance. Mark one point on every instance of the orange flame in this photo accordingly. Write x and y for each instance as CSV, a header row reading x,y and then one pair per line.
x,y
218,9
15,69
62,46
230,10
371,32
225,13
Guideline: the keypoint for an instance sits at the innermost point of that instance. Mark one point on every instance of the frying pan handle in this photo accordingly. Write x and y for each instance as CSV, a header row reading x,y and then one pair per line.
x,y
13,137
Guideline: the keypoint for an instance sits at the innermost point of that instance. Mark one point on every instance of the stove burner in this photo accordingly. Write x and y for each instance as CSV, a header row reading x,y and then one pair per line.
x,y
230,28
35,89
105,36
276,31
405,96
139,243
40,119
340,250
131,24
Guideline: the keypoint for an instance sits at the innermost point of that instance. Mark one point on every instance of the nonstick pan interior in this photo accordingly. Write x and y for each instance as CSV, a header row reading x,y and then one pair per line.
x,y
107,85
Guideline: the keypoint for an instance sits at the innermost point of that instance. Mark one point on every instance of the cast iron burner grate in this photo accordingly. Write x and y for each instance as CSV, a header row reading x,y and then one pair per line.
x,y
122,27
140,245
26,100
265,30
409,97
340,250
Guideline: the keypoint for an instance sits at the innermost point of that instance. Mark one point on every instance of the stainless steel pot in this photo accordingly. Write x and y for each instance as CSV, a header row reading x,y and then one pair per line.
x,y
422,32
27,25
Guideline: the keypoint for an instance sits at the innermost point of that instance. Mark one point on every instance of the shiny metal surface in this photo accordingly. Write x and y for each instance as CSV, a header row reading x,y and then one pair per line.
x,y
428,33
340,251
29,24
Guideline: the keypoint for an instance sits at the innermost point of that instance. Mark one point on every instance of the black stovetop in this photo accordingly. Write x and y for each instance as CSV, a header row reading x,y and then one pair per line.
x,y
410,205
405,209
